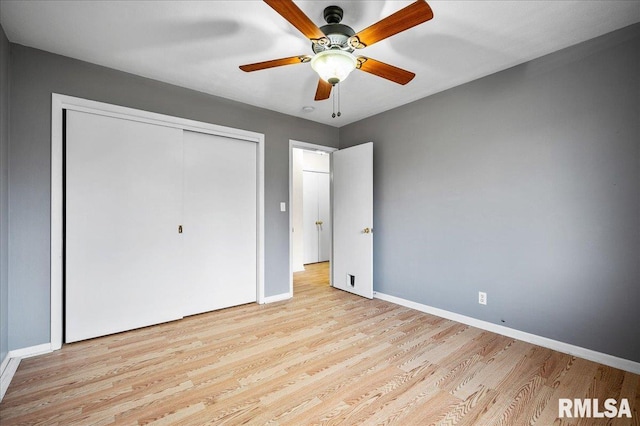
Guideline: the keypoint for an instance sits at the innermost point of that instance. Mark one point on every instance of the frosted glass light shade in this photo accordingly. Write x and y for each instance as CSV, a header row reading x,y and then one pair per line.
x,y
333,66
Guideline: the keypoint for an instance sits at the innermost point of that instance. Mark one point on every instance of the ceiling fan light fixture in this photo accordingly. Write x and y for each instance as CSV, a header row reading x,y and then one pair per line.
x,y
333,65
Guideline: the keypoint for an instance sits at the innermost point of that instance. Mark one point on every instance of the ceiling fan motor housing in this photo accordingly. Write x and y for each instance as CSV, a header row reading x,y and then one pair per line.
x,y
337,33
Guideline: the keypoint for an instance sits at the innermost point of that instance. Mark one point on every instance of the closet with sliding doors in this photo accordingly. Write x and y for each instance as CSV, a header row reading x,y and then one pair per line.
x,y
160,222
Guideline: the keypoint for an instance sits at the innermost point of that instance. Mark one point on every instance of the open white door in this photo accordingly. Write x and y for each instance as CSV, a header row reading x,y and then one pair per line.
x,y
353,219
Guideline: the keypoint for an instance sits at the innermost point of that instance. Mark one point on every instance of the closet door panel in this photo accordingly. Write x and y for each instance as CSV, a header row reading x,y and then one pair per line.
x,y
316,216
310,216
324,216
220,226
122,248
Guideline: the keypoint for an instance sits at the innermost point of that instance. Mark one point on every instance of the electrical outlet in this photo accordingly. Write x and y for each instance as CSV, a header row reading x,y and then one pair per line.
x,y
482,298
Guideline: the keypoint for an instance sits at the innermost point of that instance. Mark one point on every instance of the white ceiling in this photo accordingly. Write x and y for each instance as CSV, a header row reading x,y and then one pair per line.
x,y
200,44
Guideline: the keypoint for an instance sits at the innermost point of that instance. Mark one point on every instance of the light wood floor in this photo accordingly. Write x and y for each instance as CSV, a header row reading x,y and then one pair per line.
x,y
324,357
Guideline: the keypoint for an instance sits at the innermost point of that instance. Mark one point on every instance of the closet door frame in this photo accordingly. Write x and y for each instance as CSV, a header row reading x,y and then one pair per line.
x,y
59,103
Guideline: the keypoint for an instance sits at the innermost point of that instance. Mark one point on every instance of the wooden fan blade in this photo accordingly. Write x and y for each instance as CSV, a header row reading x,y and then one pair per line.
x,y
395,74
414,14
296,17
323,91
275,63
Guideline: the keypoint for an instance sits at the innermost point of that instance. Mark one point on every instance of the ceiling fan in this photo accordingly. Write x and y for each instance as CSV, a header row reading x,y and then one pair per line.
x,y
333,44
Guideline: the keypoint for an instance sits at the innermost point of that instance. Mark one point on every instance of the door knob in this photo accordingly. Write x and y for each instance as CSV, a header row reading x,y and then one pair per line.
x,y
367,230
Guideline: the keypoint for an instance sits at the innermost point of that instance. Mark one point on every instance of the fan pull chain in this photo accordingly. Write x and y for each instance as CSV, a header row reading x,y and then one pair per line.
x,y
336,100
339,113
333,99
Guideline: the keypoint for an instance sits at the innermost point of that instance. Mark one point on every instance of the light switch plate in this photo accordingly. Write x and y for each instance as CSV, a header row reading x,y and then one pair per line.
x,y
283,206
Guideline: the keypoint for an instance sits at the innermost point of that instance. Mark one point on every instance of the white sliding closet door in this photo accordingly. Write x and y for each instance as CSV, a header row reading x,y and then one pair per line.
x,y
123,207
310,216
324,216
316,216
220,228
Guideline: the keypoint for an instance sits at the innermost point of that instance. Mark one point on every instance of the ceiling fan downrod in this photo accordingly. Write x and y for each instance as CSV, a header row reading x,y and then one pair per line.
x,y
333,14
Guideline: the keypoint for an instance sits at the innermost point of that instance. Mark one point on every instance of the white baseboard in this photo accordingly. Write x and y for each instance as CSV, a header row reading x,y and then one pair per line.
x,y
31,351
11,362
9,367
591,355
277,298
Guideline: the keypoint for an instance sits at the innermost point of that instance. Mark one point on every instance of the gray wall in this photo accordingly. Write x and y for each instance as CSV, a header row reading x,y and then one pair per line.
x,y
4,193
35,75
523,184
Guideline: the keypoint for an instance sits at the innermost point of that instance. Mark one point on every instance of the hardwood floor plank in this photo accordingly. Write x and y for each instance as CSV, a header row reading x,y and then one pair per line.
x,y
509,404
530,412
324,357
630,389
517,388
495,370
574,382
387,401
470,410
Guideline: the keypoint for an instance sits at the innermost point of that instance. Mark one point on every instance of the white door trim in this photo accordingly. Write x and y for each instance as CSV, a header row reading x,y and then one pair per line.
x,y
310,147
62,102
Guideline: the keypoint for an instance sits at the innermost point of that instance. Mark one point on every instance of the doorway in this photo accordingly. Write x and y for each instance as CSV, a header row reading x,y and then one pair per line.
x,y
310,207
